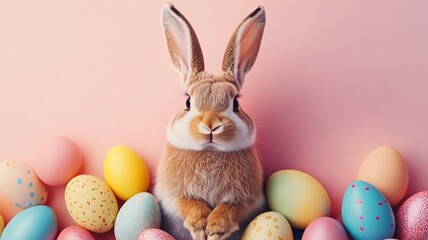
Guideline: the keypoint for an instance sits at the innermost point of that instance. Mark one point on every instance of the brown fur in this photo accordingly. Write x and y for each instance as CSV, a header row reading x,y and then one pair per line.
x,y
192,175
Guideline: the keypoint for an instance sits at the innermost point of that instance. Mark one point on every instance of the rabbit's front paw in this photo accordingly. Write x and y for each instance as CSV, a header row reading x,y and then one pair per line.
x,y
195,214
220,224
196,227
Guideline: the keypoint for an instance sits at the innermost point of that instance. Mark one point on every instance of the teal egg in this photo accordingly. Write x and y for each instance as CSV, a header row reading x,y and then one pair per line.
x,y
137,214
35,223
366,213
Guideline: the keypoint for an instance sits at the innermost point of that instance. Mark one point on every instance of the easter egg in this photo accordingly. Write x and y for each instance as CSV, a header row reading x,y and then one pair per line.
x,y
324,228
366,212
91,203
268,225
57,161
20,185
155,234
75,233
125,172
412,217
386,169
298,196
35,223
1,225
140,212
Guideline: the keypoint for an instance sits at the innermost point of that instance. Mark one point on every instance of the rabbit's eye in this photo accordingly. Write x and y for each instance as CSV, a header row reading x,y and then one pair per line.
x,y
188,103
235,104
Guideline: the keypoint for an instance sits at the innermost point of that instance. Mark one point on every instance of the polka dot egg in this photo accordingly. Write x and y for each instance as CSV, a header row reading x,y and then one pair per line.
x,y
137,214
20,185
91,203
366,213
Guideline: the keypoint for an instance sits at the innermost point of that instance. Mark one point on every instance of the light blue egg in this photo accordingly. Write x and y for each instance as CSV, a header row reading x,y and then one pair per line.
x,y
140,212
366,213
34,223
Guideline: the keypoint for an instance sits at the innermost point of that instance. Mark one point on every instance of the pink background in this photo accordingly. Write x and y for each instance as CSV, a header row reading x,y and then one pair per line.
x,y
333,81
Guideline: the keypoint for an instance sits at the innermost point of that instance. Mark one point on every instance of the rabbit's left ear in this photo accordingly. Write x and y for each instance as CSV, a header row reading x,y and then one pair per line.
x,y
243,47
183,45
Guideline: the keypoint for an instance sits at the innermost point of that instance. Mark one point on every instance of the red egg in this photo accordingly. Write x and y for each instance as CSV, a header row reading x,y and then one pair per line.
x,y
412,217
75,233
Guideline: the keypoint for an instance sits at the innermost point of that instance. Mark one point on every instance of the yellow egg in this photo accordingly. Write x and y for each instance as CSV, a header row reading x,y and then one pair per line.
x,y
125,172
268,225
91,203
298,196
386,169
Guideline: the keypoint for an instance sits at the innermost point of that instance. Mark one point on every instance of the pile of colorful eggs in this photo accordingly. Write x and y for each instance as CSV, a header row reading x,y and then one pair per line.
x,y
296,200
91,202
299,200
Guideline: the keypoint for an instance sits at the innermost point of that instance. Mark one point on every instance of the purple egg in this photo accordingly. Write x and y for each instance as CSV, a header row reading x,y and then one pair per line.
x,y
412,217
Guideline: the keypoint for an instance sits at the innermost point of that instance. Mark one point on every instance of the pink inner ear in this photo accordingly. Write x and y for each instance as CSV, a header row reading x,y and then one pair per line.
x,y
248,41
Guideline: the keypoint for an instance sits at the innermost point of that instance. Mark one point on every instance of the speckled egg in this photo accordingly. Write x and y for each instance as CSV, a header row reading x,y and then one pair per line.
x,y
412,217
91,203
155,234
268,225
20,185
366,212
75,233
140,212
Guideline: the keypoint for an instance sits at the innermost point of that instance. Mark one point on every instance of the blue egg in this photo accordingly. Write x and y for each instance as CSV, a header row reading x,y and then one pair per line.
x,y
35,223
366,213
137,214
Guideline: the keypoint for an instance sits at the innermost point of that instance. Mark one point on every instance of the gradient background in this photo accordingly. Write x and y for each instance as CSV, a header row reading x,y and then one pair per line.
x,y
333,81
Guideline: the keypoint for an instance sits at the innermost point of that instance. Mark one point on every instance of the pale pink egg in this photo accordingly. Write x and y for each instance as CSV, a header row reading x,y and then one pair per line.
x,y
412,217
155,234
57,161
324,228
75,233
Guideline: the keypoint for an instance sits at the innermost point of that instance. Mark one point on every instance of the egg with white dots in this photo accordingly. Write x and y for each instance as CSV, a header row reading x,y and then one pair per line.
x,y
366,212
91,203
20,185
139,213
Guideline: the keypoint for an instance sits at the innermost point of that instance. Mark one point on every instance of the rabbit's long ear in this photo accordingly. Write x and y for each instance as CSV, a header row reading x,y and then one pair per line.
x,y
243,47
183,45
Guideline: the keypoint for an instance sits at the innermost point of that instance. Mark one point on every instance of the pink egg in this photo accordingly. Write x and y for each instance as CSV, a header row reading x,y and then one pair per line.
x,y
155,234
57,161
75,233
412,217
324,228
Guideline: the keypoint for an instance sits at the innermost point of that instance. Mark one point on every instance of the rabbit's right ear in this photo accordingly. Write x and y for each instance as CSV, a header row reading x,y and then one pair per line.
x,y
183,45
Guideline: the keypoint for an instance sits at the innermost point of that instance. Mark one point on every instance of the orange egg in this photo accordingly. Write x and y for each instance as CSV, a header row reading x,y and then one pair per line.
x,y
386,169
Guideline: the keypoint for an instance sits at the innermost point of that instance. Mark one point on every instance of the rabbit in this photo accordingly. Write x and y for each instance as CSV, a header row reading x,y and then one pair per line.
x,y
210,178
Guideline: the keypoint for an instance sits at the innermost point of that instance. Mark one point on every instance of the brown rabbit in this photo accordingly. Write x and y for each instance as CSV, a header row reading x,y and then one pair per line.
x,y
210,179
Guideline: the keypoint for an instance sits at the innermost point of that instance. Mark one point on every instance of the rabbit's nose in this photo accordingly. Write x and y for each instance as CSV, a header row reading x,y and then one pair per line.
x,y
211,124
